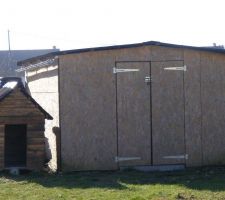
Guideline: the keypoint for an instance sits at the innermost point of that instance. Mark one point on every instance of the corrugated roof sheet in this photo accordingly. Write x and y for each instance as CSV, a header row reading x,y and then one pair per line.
x,y
8,63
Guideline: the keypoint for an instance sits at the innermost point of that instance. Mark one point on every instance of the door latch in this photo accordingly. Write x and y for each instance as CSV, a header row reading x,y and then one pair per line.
x,y
148,79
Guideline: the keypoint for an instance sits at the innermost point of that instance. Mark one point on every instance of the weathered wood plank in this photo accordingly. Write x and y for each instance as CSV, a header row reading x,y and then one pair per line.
x,y
21,120
14,106
14,96
20,109
33,155
15,102
35,147
35,134
35,141
35,127
9,102
20,112
2,128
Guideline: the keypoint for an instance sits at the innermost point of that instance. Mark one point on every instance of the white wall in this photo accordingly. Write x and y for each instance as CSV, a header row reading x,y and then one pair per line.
x,y
43,86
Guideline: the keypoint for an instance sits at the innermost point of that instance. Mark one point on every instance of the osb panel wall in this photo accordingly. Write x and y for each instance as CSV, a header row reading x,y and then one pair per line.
x,y
43,86
87,111
130,54
88,105
134,124
193,107
213,108
165,53
89,119
167,106
167,114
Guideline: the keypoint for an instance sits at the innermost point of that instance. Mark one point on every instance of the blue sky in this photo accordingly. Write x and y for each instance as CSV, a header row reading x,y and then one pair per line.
x,y
72,24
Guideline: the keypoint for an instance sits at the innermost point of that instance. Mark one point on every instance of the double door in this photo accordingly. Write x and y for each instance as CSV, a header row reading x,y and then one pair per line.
x,y
150,113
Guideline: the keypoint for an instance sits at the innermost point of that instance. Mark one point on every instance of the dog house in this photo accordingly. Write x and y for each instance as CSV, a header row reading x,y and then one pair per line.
x,y
22,121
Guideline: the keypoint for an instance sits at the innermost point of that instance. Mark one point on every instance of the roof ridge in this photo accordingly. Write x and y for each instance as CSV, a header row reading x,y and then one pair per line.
x,y
102,48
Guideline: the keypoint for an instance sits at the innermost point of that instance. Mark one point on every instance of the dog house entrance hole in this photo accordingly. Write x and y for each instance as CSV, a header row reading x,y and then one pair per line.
x,y
15,145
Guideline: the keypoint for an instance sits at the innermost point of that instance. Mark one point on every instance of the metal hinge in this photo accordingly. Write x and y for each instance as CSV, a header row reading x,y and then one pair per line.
x,y
185,156
183,68
120,159
115,70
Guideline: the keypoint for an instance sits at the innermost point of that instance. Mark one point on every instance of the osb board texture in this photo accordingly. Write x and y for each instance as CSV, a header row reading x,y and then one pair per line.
x,y
213,108
87,79
167,106
133,100
98,92
2,147
17,105
43,85
35,146
193,107
167,113
165,53
88,112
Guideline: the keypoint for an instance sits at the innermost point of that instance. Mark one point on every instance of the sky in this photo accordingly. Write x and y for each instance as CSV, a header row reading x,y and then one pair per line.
x,y
73,24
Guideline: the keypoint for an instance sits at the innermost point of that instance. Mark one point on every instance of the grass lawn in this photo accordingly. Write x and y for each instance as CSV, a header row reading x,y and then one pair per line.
x,y
207,183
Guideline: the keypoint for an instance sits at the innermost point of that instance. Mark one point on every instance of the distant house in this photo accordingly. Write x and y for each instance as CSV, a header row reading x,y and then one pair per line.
x,y
215,46
8,60
143,105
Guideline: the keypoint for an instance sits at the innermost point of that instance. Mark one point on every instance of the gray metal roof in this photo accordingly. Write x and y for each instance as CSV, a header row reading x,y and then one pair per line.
x,y
8,62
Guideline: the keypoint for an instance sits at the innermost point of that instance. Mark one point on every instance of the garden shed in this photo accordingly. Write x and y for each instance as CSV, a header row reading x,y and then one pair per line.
x,y
22,121
142,105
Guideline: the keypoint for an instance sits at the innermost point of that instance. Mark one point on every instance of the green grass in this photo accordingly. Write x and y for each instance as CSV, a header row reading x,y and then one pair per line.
x,y
208,183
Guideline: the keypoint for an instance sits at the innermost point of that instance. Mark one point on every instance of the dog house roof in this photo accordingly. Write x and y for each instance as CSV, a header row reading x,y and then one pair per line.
x,y
9,84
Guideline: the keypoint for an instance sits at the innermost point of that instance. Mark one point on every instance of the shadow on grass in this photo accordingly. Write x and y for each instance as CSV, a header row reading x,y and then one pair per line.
x,y
212,179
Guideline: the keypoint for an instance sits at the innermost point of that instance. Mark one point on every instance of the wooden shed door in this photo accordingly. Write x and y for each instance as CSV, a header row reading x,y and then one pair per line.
x,y
15,145
133,113
168,112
